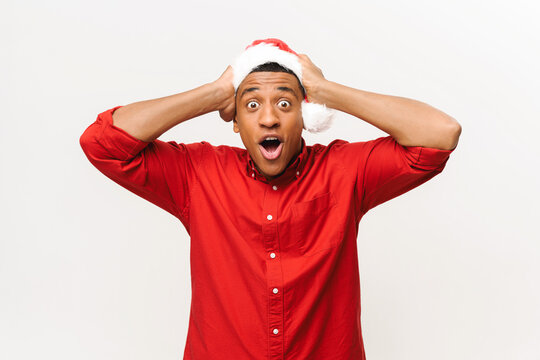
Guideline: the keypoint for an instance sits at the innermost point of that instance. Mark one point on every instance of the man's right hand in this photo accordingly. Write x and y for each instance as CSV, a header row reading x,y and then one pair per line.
x,y
227,108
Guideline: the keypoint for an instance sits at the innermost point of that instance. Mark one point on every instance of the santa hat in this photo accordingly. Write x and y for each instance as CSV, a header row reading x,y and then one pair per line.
x,y
317,117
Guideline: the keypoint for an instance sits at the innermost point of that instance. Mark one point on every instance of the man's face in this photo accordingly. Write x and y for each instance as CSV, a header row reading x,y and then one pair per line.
x,y
268,106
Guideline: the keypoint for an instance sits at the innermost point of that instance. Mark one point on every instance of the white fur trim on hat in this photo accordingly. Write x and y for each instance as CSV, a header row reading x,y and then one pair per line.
x,y
262,53
317,117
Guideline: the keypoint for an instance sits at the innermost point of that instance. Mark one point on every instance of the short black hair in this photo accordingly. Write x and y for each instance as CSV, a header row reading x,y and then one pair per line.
x,y
275,67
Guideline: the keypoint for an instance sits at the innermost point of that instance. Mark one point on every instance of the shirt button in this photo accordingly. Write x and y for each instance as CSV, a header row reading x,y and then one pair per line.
x,y
275,291
252,175
298,173
276,331
269,217
272,255
274,187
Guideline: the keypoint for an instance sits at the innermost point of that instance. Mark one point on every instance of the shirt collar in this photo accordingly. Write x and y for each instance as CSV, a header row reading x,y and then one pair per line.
x,y
292,172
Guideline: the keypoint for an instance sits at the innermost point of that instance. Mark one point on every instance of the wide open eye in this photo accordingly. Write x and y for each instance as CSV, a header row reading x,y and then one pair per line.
x,y
284,103
252,104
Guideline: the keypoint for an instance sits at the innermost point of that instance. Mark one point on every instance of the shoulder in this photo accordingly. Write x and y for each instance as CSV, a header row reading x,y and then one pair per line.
x,y
332,146
347,154
224,151
223,156
206,148
330,157
195,152
336,147
339,146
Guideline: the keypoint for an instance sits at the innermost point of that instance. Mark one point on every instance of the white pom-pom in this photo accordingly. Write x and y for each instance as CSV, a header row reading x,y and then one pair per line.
x,y
317,117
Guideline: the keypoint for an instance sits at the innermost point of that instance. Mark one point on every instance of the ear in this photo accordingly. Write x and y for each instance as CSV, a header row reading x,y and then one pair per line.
x,y
236,129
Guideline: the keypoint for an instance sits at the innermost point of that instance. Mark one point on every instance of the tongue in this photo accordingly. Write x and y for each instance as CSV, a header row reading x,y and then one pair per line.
x,y
271,152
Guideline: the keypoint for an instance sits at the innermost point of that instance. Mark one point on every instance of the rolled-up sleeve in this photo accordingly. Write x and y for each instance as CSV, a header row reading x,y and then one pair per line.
x,y
160,172
385,169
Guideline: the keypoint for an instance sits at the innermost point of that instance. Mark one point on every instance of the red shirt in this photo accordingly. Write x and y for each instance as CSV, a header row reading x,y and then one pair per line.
x,y
274,264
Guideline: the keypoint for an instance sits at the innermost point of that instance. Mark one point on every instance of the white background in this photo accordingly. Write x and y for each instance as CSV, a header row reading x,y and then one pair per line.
x,y
88,270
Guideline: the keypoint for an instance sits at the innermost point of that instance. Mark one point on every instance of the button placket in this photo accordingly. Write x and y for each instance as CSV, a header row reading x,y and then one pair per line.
x,y
274,274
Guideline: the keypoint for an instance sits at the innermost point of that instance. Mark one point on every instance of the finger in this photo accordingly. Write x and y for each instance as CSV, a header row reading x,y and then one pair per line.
x,y
305,58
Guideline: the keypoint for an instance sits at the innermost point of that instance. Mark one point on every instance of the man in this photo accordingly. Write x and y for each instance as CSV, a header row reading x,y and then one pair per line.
x,y
273,227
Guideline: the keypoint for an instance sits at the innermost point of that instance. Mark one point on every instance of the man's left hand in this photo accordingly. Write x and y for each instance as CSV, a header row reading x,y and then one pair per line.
x,y
312,78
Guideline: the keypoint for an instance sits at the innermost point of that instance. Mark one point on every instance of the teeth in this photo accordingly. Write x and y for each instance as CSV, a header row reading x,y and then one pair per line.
x,y
271,138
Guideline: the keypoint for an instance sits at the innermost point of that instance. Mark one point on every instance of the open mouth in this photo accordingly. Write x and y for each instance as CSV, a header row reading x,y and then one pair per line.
x,y
271,148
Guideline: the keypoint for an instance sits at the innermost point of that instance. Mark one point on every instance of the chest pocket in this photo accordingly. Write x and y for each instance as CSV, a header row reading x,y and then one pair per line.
x,y
314,224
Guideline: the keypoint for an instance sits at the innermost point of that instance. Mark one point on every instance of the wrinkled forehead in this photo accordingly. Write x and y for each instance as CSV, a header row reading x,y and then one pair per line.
x,y
274,81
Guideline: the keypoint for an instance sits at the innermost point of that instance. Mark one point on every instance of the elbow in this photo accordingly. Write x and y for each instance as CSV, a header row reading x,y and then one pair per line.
x,y
90,145
455,133
84,141
87,140
451,135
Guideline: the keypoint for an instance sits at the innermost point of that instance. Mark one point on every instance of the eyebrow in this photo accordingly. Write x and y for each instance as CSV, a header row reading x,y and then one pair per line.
x,y
248,90
280,88
284,88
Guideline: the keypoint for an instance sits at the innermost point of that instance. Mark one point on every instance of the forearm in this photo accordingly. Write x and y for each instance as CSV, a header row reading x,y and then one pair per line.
x,y
147,120
409,122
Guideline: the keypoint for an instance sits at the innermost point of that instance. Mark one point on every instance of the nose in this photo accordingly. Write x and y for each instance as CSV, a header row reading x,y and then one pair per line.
x,y
269,117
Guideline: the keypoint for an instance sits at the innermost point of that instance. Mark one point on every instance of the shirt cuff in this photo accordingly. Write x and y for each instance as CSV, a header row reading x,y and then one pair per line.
x,y
426,157
118,141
